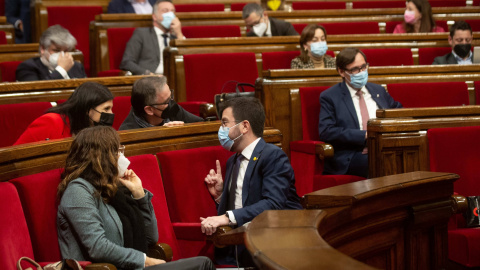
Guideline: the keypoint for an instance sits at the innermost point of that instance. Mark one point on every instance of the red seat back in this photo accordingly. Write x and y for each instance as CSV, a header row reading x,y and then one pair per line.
x,y
15,118
38,193
443,3
345,28
146,167
427,55
477,92
8,71
237,6
13,229
455,150
436,94
199,7
389,57
205,74
390,26
77,20
310,100
3,37
121,108
278,60
378,4
475,24
211,31
307,5
117,41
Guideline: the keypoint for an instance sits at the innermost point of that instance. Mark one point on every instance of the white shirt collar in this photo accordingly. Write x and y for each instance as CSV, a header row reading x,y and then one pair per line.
x,y
462,61
159,31
353,92
248,151
268,32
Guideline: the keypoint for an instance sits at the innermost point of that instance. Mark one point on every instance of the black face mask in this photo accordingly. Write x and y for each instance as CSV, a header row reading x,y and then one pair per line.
x,y
171,111
106,119
462,50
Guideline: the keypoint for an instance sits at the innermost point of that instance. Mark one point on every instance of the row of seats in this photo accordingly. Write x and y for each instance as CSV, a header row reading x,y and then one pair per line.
x,y
314,5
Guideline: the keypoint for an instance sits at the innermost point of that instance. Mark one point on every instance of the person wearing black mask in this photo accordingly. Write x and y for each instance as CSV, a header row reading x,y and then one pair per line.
x,y
90,105
460,40
153,105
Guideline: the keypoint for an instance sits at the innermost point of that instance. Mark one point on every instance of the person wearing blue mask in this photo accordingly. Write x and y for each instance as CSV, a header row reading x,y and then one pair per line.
x,y
259,176
345,110
143,53
313,49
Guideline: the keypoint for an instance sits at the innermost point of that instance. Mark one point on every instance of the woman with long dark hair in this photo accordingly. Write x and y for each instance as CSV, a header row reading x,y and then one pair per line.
x,y
418,18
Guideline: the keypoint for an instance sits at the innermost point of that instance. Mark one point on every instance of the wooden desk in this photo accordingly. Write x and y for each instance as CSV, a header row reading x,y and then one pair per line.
x,y
393,222
397,139
22,52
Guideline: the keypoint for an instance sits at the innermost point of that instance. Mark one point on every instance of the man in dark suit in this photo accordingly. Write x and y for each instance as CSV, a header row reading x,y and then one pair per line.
x,y
153,105
460,39
131,6
345,110
259,176
18,14
55,61
144,51
260,25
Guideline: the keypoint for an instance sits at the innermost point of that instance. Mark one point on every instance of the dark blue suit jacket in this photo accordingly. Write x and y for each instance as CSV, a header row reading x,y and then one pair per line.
x,y
123,6
338,123
269,184
19,10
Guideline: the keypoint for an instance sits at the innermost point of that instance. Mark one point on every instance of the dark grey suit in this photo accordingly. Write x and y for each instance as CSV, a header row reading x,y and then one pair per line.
x,y
447,59
34,70
142,52
279,28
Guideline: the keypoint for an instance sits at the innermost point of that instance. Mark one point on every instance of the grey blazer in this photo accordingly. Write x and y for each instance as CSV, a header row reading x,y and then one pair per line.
x,y
90,230
448,58
142,52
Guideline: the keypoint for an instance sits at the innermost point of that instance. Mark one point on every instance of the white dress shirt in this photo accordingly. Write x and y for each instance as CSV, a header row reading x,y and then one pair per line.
x,y
461,61
141,8
159,33
371,104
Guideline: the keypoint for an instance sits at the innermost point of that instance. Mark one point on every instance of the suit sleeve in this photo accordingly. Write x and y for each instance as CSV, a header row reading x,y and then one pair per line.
x,y
114,7
149,219
77,71
12,11
80,209
277,177
392,104
329,129
290,30
131,55
27,72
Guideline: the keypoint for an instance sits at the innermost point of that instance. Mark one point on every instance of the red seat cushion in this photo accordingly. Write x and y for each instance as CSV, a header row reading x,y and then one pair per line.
x,y
199,7
121,108
345,28
211,31
77,20
13,229
15,119
318,5
427,55
389,57
117,41
413,95
8,70
3,37
463,246
205,74
378,4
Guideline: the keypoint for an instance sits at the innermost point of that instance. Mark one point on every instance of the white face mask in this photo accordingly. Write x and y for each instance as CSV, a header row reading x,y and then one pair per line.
x,y
259,29
53,59
123,164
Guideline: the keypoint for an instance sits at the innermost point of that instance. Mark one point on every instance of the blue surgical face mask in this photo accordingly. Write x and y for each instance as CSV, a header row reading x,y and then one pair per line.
x,y
167,19
359,80
224,139
318,49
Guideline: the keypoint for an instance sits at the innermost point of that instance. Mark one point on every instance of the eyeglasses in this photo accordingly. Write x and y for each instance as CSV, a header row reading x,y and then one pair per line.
x,y
121,150
164,103
225,122
357,70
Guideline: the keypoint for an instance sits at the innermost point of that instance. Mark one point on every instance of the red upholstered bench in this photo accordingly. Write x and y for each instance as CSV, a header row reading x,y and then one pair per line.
x,y
308,5
456,150
188,199
427,55
211,31
378,4
344,28
117,41
389,57
199,7
121,108
8,71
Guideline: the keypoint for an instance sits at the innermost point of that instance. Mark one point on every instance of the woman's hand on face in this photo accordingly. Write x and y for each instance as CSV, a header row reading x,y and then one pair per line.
x,y
131,181
152,261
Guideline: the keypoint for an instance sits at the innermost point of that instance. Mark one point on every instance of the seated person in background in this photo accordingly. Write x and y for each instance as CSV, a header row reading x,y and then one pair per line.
x,y
418,18
260,24
153,105
259,175
105,215
144,51
90,105
313,49
55,61
460,40
131,6
345,110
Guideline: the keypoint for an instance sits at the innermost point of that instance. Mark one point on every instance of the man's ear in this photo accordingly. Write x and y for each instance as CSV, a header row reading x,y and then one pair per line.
x,y
341,72
148,110
245,126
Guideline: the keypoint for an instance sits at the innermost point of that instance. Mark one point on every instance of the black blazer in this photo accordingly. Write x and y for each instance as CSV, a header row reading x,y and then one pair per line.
x,y
123,6
279,28
34,70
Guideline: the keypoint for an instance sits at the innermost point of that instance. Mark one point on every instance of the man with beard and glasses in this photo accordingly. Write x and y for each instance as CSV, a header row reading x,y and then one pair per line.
x,y
460,39
259,176
153,105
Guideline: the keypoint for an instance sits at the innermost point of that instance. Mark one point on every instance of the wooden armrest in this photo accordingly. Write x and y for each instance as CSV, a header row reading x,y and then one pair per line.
x,y
226,236
459,204
208,112
324,150
100,266
160,251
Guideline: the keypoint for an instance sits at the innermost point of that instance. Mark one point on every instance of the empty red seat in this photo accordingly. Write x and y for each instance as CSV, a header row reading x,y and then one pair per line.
x,y
308,5
430,94
389,57
117,41
378,4
205,74
345,28
15,118
211,31
199,7
77,20
237,6
8,70
121,108
427,55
